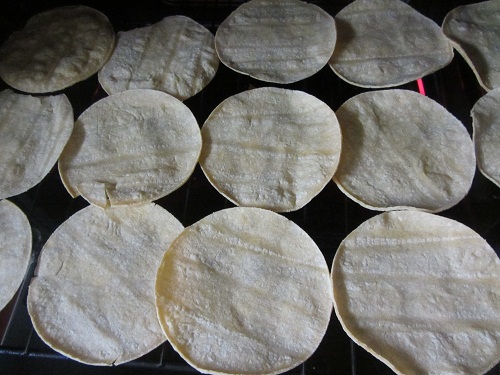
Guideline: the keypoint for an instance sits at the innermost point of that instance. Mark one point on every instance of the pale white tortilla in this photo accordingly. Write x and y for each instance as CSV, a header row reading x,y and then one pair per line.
x,y
92,297
15,249
385,43
56,49
421,293
486,124
176,55
474,31
276,41
33,133
271,148
402,150
130,148
244,291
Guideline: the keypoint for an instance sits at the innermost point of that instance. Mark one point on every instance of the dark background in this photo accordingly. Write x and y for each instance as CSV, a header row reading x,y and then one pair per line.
x,y
328,218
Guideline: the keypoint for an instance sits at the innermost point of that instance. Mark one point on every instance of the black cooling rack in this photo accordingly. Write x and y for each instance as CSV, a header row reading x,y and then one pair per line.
x,y
328,218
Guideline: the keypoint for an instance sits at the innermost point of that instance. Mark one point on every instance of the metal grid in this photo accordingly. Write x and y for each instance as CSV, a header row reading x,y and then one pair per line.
x,y
328,218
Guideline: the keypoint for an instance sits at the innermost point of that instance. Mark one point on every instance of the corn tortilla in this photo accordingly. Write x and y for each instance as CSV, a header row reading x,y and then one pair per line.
x,y
474,30
402,150
92,297
33,133
15,249
271,148
56,49
176,55
129,148
421,293
386,43
276,41
486,134
244,291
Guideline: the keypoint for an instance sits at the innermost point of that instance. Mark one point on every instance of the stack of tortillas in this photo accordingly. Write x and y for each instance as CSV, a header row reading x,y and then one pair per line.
x,y
474,30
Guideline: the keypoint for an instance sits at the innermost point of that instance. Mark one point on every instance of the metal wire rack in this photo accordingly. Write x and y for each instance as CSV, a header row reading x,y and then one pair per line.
x,y
328,218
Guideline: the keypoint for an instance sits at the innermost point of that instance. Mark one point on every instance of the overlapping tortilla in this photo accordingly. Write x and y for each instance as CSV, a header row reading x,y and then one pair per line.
x,y
176,55
486,124
474,31
244,291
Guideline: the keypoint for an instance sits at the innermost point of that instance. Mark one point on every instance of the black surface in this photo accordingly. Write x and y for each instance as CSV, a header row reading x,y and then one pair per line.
x,y
328,218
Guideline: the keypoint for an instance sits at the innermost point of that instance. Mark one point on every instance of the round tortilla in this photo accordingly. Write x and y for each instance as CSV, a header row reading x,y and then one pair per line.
x,y
176,55
385,43
130,148
271,148
57,49
486,124
402,150
33,133
474,31
15,249
421,293
244,291
92,298
276,41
